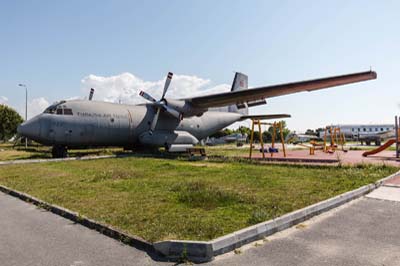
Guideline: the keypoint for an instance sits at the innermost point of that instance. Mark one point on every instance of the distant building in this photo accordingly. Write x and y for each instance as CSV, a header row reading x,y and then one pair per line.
x,y
235,137
354,131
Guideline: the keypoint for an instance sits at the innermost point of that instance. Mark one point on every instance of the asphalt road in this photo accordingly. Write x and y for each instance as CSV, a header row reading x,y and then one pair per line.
x,y
34,237
363,232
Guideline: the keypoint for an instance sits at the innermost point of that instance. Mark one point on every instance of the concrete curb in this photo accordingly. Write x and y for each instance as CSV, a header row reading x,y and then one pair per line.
x,y
203,251
77,218
276,159
200,251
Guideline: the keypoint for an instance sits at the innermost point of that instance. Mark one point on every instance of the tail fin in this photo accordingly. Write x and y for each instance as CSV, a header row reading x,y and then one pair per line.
x,y
240,82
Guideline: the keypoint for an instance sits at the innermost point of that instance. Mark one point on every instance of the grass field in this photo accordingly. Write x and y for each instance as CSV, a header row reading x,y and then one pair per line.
x,y
8,153
160,199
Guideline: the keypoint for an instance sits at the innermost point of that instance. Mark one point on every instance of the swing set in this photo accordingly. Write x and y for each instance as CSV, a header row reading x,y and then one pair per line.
x,y
275,126
336,139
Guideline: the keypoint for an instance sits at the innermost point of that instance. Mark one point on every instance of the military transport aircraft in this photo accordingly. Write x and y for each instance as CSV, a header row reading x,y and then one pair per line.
x,y
175,124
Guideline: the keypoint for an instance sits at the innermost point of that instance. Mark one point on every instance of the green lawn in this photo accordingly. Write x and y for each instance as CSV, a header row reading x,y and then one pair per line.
x,y
160,199
8,153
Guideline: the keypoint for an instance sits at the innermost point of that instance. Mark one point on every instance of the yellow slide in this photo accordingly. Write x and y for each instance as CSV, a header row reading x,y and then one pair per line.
x,y
381,148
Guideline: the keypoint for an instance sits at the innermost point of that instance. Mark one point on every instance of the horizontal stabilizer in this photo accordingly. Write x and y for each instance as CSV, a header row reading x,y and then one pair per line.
x,y
262,117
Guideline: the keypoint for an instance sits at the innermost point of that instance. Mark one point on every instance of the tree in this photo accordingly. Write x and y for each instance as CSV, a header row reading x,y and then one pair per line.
x,y
222,133
9,121
318,131
267,135
244,130
310,132
285,131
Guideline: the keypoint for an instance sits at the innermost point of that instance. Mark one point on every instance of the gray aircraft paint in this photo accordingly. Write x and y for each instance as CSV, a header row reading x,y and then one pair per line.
x,y
108,124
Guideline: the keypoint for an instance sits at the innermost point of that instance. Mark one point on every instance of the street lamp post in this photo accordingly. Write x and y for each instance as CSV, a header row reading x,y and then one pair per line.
x,y
26,109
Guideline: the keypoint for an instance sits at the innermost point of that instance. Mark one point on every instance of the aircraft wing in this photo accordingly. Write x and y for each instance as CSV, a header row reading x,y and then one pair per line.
x,y
242,96
262,117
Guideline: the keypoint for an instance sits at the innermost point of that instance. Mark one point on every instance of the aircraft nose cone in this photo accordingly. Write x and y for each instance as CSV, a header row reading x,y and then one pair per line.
x,y
30,128
20,129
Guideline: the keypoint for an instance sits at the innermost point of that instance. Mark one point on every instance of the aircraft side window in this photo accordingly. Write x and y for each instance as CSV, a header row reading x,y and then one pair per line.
x,y
59,111
67,111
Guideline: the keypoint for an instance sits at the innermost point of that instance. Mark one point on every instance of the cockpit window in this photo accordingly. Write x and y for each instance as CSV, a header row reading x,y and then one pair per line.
x,y
59,109
67,111
50,110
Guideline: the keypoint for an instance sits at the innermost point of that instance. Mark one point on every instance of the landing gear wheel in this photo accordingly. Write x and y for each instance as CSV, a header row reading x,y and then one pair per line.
x,y
59,151
166,147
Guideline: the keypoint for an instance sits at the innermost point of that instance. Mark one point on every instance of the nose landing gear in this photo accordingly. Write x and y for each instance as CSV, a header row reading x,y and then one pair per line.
x,y
59,151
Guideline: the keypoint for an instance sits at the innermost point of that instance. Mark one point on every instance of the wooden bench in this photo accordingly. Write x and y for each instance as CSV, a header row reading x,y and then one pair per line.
x,y
196,151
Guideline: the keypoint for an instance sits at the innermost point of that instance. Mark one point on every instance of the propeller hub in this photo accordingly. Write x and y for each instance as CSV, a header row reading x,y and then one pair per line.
x,y
162,103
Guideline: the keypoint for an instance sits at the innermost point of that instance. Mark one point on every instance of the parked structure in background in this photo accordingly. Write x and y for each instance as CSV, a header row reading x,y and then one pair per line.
x,y
372,133
300,138
232,138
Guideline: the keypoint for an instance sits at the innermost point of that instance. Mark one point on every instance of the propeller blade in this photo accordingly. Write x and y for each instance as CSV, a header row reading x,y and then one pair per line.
x,y
155,119
147,96
167,82
173,112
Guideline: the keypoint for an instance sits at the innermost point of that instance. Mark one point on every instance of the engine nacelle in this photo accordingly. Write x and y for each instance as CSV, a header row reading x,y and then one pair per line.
x,y
185,108
179,147
163,138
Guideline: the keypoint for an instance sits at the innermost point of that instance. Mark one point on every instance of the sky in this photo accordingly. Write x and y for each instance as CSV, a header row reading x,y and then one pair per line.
x,y
60,49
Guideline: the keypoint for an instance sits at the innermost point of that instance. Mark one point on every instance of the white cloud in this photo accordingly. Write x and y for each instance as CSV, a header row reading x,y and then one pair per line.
x,y
126,87
35,107
3,100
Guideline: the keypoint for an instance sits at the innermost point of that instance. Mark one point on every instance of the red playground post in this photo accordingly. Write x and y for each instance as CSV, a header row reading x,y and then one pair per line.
x,y
396,124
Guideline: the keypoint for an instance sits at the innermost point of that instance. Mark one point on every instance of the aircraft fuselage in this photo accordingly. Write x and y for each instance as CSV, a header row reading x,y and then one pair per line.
x,y
91,123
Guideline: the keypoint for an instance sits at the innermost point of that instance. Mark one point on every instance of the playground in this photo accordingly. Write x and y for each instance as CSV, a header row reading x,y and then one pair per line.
x,y
331,150
351,157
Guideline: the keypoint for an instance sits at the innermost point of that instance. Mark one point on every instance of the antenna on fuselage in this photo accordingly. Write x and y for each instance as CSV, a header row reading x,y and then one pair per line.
x,y
91,94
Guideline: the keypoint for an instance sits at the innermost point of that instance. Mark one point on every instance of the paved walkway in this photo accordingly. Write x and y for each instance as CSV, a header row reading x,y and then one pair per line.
x,y
34,237
364,232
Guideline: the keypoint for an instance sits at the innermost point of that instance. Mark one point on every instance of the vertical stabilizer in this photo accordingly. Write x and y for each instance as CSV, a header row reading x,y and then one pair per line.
x,y
239,82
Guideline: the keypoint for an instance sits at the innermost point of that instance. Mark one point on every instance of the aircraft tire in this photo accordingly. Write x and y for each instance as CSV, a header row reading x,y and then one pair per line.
x,y
59,151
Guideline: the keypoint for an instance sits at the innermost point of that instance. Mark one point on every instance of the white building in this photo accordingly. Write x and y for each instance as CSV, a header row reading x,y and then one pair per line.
x,y
356,130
